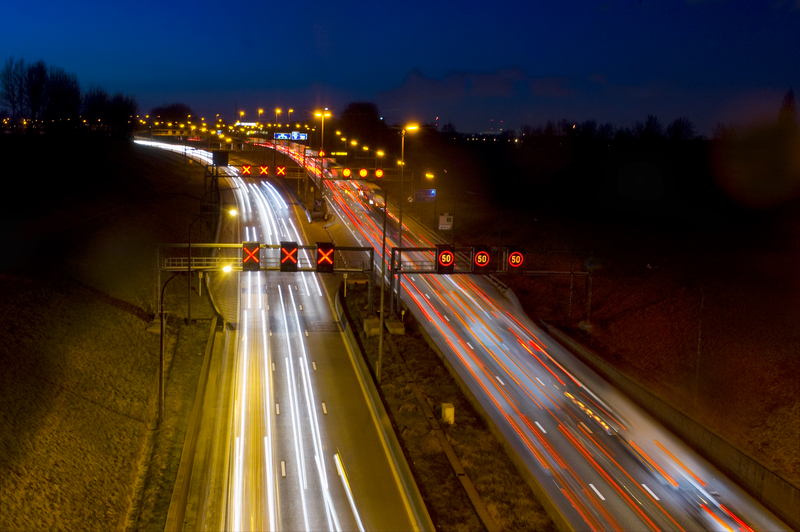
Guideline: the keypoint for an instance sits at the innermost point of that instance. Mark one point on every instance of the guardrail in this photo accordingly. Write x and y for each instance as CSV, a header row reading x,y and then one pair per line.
x,y
408,484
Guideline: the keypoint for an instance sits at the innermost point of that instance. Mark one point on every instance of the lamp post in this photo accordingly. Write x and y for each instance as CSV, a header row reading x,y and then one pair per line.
x,y
232,212
323,114
383,281
410,127
277,112
290,115
161,353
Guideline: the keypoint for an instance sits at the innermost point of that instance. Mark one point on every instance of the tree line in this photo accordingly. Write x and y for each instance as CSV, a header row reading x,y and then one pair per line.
x,y
42,98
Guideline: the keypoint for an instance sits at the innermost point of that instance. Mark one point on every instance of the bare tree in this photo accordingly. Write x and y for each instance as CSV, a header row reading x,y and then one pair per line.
x,y
63,100
681,129
12,87
650,129
35,90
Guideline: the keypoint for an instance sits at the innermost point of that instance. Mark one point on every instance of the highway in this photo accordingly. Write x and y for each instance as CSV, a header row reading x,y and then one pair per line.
x,y
303,451
603,462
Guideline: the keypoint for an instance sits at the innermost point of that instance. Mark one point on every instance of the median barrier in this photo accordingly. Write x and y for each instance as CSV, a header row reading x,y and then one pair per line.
x,y
414,498
777,494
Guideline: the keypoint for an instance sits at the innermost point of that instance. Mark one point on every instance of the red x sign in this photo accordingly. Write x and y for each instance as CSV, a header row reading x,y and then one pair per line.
x,y
288,254
325,257
246,169
263,170
251,254
281,170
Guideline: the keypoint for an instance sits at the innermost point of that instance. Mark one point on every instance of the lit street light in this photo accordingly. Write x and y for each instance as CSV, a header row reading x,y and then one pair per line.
x,y
323,114
410,127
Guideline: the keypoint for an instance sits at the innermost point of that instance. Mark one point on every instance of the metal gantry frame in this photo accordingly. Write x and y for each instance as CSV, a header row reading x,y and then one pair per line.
x,y
396,268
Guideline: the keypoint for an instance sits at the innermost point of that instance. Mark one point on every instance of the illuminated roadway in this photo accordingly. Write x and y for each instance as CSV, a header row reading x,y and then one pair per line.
x,y
304,450
604,463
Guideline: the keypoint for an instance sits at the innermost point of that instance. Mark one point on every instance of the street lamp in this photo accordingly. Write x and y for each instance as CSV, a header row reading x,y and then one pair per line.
x,y
323,114
277,112
289,118
260,112
410,127
232,212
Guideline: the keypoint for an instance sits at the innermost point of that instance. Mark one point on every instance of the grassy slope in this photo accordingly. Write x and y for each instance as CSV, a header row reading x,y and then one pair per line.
x,y
77,366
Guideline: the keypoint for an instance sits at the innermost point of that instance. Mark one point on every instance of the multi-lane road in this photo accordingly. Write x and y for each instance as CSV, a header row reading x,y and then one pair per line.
x,y
604,464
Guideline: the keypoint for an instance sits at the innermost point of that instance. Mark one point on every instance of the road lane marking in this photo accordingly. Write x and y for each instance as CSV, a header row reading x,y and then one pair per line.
x,y
277,409
306,333
301,307
540,382
597,492
587,428
324,408
651,492
273,366
283,468
498,380
315,365
540,427
470,346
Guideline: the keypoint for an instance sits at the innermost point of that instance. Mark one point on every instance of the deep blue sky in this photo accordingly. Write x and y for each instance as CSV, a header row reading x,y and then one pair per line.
x,y
467,62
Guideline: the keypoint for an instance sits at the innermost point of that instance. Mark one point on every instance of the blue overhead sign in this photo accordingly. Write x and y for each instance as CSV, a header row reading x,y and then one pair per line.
x,y
282,136
296,135
424,195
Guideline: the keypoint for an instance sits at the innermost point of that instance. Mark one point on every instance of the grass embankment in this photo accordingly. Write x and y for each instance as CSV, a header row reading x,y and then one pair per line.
x,y
77,364
507,497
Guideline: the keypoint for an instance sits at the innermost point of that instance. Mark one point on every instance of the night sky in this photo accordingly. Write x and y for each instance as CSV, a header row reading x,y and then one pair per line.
x,y
474,64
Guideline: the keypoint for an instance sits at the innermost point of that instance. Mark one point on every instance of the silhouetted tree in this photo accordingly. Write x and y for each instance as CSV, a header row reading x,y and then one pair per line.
x,y
606,132
63,100
173,112
681,129
449,128
12,87
650,129
36,90
95,106
121,114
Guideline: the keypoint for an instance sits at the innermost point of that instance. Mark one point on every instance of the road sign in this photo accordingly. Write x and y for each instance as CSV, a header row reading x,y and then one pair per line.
x,y
280,170
445,222
363,172
288,256
325,257
250,256
263,170
515,259
246,169
296,135
346,172
282,136
220,158
379,173
424,195
445,258
481,259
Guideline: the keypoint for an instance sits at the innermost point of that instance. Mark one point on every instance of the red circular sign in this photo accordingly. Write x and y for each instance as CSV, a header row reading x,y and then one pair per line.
x,y
482,258
446,258
363,172
346,172
378,173
515,259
